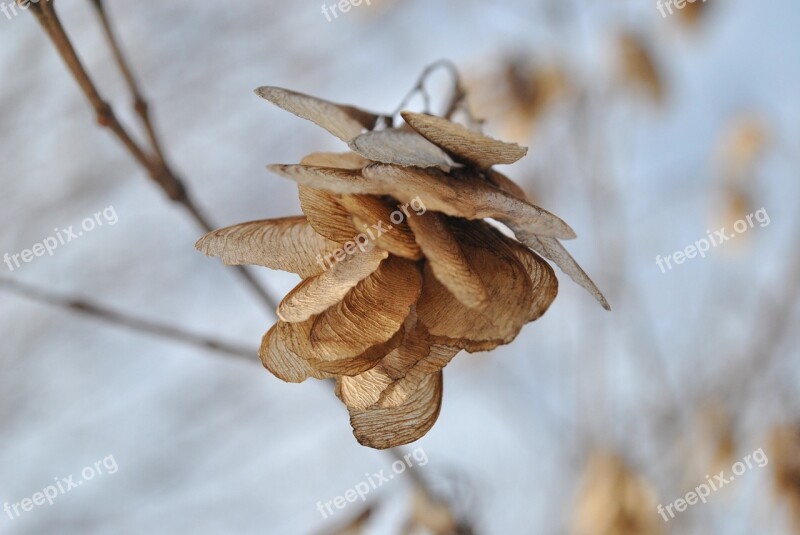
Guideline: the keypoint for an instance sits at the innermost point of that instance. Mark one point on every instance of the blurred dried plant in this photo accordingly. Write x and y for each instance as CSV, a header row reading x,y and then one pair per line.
x,y
638,67
786,464
357,526
429,517
743,141
615,500
516,92
712,445
386,320
693,13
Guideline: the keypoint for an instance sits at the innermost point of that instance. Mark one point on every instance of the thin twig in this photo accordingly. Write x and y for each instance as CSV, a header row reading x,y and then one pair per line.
x,y
122,319
456,100
156,166
140,104
765,347
46,15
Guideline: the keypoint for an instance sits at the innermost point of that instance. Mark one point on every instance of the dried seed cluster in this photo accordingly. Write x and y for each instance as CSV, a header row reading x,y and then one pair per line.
x,y
385,321
786,457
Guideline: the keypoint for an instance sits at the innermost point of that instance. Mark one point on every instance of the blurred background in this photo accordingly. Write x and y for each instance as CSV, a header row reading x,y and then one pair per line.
x,y
646,131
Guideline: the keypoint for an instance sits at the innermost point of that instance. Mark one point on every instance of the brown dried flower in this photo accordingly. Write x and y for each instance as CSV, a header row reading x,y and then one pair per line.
x,y
786,459
615,500
517,91
693,13
400,271
638,66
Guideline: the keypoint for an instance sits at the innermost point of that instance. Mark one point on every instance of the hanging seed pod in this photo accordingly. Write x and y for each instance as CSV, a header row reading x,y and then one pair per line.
x,y
400,269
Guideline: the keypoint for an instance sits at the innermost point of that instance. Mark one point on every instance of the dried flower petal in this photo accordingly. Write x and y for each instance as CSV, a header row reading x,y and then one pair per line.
x,y
363,390
383,428
397,392
326,214
287,244
316,294
511,294
399,373
291,341
344,122
504,183
447,260
554,251
365,317
401,148
440,192
339,160
278,357
463,144
373,215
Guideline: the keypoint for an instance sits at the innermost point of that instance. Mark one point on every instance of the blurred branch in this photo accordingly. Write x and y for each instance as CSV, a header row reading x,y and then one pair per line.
x,y
121,319
777,318
140,104
155,165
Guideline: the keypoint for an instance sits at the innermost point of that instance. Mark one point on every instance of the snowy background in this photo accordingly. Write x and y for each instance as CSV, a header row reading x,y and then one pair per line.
x,y
209,444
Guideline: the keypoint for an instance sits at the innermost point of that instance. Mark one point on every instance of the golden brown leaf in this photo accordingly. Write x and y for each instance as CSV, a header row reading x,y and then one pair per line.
x,y
401,148
504,183
369,212
339,160
283,349
462,144
288,244
390,383
363,390
447,260
397,393
279,356
383,428
344,122
367,315
316,294
553,250
543,279
338,181
511,294
463,194
448,194
326,214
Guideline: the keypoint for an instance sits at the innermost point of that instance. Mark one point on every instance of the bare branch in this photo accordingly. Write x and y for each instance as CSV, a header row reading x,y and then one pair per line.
x,y
121,319
140,104
156,166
